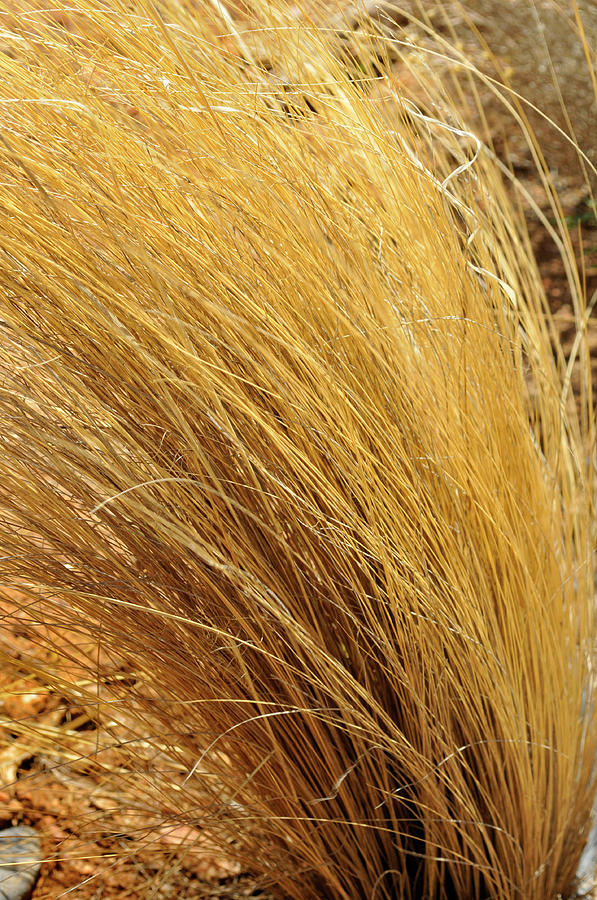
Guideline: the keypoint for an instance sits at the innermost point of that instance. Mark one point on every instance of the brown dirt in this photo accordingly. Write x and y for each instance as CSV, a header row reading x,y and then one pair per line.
x,y
66,772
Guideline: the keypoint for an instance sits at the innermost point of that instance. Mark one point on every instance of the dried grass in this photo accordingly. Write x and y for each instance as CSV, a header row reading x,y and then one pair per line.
x,y
282,428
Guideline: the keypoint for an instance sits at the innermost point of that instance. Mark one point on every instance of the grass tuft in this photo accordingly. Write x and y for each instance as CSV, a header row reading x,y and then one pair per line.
x,y
283,430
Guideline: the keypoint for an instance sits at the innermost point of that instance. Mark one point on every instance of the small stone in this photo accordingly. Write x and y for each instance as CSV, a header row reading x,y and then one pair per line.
x,y
20,861
585,873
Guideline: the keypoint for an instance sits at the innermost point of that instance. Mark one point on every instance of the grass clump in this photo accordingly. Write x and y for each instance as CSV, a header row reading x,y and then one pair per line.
x,y
283,430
